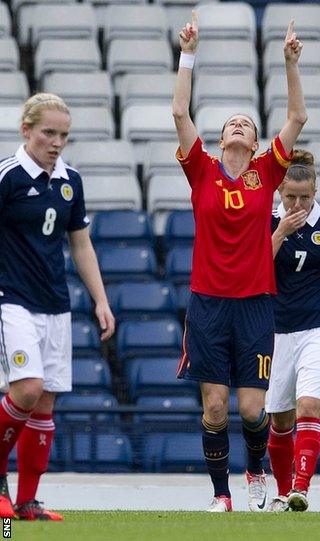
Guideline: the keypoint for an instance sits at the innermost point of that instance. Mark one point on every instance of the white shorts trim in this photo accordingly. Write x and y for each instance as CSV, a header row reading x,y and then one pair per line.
x,y
37,346
295,370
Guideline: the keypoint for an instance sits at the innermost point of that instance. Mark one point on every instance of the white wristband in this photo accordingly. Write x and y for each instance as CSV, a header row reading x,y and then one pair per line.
x,y
186,60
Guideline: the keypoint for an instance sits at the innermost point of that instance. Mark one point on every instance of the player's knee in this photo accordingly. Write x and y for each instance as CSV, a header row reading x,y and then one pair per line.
x,y
283,421
27,394
308,407
215,409
250,412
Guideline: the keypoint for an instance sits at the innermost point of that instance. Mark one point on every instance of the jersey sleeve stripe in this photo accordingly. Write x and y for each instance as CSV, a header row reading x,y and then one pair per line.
x,y
279,153
7,169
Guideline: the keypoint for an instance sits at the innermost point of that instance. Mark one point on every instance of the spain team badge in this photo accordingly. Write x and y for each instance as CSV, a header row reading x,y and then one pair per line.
x,y
66,192
251,180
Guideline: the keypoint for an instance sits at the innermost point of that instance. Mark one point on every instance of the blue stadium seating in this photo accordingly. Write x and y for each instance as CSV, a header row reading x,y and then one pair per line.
x,y
79,299
149,338
178,264
179,229
144,300
113,453
77,406
85,339
91,375
173,452
183,294
126,263
122,227
166,404
151,376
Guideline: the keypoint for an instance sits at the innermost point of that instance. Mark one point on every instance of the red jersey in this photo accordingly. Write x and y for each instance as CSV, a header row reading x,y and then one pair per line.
x,y
232,254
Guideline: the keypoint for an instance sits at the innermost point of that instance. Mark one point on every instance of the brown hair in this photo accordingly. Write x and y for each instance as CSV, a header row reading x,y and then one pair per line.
x,y
256,133
302,167
33,107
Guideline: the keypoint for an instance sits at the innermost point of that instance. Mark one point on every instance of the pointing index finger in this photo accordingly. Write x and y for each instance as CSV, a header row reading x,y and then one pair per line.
x,y
290,29
194,19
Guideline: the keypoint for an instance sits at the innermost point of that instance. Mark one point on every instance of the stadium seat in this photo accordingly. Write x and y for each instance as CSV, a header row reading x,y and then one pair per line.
x,y
178,264
70,21
235,20
210,120
91,123
134,22
9,148
178,13
314,147
216,90
183,294
67,55
148,122
166,405
273,58
81,407
14,87
9,54
81,89
16,5
146,88
85,339
118,263
10,117
226,56
238,452
179,229
310,132
276,91
91,375
148,376
160,159
112,157
104,192
174,452
79,298
145,300
5,21
114,453
122,227
149,338
276,18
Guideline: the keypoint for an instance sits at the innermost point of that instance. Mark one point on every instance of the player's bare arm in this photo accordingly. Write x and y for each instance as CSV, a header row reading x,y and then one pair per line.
x,y
187,133
297,114
291,222
86,262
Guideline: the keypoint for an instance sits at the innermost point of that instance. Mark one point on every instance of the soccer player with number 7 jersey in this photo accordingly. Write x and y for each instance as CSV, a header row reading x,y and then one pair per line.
x,y
293,397
41,199
229,324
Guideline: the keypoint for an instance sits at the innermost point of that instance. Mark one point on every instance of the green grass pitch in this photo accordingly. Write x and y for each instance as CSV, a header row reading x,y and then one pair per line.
x,y
171,526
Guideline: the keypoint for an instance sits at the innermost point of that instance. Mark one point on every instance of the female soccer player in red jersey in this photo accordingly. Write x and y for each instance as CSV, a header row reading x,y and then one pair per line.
x,y
41,199
229,323
294,391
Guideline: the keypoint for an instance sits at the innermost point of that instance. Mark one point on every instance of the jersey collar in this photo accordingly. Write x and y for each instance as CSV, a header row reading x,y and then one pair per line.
x,y
312,217
34,170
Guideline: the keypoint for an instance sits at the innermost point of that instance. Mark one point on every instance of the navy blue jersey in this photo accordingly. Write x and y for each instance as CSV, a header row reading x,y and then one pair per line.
x,y
297,305
35,212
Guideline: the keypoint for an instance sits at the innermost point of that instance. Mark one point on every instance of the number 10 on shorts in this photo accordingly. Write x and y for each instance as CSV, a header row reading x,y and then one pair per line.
x,y
264,366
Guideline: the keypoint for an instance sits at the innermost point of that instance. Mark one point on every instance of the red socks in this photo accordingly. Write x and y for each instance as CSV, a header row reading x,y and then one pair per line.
x,y
281,452
33,453
12,421
307,448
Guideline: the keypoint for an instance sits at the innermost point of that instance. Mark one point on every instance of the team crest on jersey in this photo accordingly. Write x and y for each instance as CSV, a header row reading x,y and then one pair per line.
x,y
251,180
315,237
66,192
19,358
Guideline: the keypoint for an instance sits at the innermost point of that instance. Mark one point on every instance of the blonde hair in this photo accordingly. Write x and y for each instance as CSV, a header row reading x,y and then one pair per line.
x,y
301,168
36,104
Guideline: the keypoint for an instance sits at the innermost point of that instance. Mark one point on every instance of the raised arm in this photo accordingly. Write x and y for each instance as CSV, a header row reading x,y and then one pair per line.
x,y
297,114
186,129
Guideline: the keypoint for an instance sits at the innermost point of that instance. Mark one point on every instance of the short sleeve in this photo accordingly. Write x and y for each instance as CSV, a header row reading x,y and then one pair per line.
x,y
78,219
279,162
194,163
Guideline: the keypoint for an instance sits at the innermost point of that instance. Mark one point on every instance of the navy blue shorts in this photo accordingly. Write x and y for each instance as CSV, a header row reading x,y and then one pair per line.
x,y
228,341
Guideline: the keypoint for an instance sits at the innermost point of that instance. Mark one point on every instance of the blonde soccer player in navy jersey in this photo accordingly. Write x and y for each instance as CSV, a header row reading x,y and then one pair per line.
x,y
41,199
229,323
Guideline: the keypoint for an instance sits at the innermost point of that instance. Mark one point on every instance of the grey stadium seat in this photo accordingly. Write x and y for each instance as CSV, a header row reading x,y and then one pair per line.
x,y
273,58
276,91
14,87
177,16
148,122
135,22
217,90
210,119
66,55
9,148
235,20
112,192
310,131
160,159
113,157
10,119
314,147
91,123
18,4
5,20
9,54
277,16
92,88
226,56
76,21
146,88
